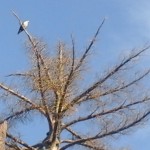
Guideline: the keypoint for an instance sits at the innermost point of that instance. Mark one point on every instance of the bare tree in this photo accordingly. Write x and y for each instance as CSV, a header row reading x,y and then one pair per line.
x,y
111,105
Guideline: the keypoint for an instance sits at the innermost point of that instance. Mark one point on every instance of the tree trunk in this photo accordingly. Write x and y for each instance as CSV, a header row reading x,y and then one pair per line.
x,y
3,130
54,145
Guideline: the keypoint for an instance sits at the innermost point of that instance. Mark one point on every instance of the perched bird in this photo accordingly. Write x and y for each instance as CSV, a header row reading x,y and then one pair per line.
x,y
23,26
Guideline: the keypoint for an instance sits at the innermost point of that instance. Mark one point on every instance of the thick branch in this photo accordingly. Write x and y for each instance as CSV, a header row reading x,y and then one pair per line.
x,y
42,92
34,45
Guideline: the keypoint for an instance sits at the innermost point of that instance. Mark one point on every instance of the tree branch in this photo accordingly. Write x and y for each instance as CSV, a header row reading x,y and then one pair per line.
x,y
92,116
12,92
89,47
88,144
19,141
34,45
107,76
138,120
19,113
114,89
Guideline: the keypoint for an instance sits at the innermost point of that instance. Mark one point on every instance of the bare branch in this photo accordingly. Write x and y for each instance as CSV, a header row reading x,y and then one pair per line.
x,y
101,81
68,81
20,74
114,110
135,122
88,144
12,92
20,22
19,141
114,89
19,113
89,47
12,146
42,93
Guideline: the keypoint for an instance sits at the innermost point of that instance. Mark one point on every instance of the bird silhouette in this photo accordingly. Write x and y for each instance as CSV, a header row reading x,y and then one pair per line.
x,y
23,26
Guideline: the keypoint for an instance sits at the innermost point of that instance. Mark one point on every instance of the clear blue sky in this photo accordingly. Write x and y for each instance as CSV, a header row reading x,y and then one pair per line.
x,y
127,26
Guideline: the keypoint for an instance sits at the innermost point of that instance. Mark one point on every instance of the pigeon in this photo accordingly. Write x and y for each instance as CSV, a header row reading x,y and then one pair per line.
x,y
23,26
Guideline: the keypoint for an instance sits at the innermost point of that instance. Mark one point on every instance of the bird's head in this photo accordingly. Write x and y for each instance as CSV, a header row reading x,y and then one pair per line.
x,y
25,23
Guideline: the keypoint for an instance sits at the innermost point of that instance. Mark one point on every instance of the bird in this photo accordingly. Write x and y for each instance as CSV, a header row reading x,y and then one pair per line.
x,y
23,26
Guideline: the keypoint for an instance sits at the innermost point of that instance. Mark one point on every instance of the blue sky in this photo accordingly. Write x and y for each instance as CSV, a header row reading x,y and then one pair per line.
x,y
127,26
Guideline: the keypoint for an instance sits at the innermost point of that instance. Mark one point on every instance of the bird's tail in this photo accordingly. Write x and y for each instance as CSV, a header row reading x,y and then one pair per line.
x,y
19,31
